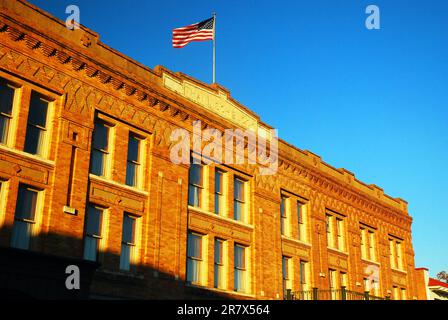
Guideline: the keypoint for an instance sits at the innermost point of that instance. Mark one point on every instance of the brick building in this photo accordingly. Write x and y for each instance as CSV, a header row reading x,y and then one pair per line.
x,y
87,179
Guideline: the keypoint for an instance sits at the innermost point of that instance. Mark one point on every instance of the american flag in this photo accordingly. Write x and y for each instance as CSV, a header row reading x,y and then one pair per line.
x,y
200,31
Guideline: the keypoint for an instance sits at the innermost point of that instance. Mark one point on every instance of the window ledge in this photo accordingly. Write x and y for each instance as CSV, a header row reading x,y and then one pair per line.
x,y
26,155
399,270
117,184
370,261
214,215
296,241
338,251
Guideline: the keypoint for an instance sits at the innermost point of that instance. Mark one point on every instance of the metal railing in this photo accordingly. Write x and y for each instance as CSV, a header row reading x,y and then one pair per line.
x,y
333,294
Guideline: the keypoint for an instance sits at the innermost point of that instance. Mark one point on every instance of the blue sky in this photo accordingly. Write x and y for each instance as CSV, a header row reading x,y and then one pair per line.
x,y
370,101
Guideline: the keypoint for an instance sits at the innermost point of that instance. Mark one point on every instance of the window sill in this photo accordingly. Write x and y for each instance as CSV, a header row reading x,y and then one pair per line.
x,y
29,156
399,270
370,261
338,251
117,184
214,215
296,241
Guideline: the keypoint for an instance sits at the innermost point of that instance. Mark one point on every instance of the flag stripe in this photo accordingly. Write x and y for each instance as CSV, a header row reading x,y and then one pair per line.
x,y
201,31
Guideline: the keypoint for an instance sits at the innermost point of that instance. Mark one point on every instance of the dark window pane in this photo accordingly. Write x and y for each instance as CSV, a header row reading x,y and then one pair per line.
x,y
94,216
4,128
131,177
218,252
285,267
133,148
90,248
238,190
26,203
218,182
282,207
196,174
217,203
299,212
97,163
33,140
194,246
237,210
20,237
128,229
100,136
239,257
38,111
194,195
125,258
6,97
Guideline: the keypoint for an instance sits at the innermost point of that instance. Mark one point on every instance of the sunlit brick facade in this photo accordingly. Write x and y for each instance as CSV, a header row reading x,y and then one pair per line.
x,y
86,176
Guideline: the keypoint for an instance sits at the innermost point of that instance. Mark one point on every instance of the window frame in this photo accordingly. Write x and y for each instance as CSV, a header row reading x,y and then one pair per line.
x,y
31,224
284,204
200,188
10,118
219,266
43,146
95,237
106,153
137,163
132,246
197,260
241,269
219,196
242,202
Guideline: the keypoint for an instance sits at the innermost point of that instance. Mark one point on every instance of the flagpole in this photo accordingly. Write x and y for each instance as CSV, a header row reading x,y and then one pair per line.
x,y
214,47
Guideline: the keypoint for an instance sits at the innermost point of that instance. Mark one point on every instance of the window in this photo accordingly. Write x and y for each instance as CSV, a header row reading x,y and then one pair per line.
x,y
36,125
329,230
24,217
343,279
133,163
283,216
127,242
303,276
339,234
100,149
93,232
396,293
399,262
219,192
194,258
335,232
403,294
332,283
301,220
371,237
240,271
6,103
239,200
396,259
368,244
367,285
285,274
195,185
219,264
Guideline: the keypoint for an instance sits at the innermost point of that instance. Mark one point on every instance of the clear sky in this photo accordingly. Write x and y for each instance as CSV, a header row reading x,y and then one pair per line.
x,y
371,101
